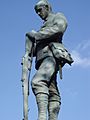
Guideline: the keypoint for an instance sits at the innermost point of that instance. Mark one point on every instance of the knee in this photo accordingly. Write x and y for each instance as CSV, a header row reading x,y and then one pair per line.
x,y
39,86
34,85
33,82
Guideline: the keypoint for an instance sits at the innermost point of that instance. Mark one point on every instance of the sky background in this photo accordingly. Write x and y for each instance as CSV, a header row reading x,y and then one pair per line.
x,y
18,17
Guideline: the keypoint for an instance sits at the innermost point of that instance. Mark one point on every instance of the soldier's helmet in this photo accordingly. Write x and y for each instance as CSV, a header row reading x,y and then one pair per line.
x,y
43,3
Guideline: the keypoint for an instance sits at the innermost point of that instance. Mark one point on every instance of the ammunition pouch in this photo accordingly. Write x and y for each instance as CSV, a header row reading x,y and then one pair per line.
x,y
60,53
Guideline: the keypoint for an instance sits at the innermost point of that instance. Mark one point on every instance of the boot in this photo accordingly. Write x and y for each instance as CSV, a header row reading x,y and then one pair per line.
x,y
42,103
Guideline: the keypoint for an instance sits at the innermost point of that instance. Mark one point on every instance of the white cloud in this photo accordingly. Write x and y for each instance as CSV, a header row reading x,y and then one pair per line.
x,y
81,54
79,60
84,45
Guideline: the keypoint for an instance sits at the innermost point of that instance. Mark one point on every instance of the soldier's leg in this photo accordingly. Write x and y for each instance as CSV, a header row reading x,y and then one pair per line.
x,y
40,84
42,104
54,100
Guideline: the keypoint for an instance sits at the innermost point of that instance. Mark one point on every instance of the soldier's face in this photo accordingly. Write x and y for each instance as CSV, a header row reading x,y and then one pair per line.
x,y
43,12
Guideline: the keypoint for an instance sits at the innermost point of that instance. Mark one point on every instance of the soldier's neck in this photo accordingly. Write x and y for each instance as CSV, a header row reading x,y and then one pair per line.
x,y
49,15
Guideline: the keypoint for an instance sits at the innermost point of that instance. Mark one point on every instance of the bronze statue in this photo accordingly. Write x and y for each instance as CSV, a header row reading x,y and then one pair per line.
x,y
51,55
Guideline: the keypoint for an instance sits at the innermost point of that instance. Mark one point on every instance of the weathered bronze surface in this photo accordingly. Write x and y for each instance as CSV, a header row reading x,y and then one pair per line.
x,y
51,55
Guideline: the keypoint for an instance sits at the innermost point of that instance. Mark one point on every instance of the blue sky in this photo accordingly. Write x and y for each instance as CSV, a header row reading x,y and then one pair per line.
x,y
18,17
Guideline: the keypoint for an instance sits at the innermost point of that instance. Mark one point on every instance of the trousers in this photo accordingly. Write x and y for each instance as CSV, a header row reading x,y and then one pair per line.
x,y
44,86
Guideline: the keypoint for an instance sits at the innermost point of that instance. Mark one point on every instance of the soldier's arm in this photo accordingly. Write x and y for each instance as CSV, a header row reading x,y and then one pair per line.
x,y
29,44
59,26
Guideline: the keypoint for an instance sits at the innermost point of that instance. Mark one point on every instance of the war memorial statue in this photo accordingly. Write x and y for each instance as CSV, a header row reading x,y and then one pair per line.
x,y
51,55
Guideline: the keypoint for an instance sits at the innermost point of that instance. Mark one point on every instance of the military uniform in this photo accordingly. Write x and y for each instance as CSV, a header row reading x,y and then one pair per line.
x,y
44,84
44,81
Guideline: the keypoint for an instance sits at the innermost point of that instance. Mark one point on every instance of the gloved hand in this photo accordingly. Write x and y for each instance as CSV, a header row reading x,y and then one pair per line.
x,y
31,35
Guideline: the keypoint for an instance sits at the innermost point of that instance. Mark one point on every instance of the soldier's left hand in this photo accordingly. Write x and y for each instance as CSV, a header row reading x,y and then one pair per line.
x,y
31,35
33,31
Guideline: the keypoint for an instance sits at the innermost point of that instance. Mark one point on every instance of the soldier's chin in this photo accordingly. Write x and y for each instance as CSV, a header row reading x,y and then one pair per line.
x,y
43,18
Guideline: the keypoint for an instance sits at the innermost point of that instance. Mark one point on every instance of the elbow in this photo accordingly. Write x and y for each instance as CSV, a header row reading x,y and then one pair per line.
x,y
63,27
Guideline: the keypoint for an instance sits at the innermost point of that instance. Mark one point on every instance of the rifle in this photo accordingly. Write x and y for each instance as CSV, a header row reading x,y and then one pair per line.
x,y
26,69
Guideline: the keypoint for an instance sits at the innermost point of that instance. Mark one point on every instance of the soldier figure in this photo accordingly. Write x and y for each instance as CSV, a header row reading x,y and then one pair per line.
x,y
44,84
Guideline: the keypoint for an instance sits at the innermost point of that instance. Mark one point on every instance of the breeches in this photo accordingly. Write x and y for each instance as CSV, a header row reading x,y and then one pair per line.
x,y
44,81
